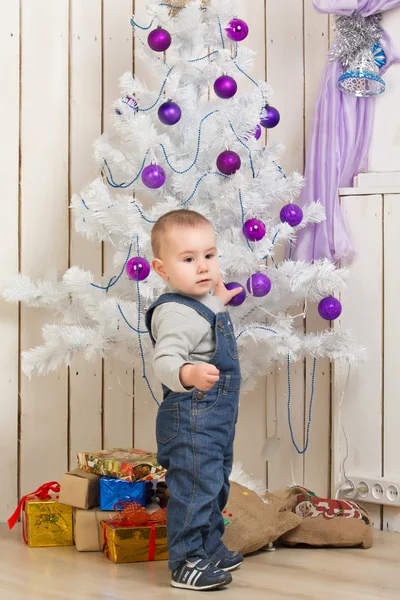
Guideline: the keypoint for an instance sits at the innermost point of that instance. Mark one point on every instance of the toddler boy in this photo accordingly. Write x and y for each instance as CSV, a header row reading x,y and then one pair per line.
x,y
196,360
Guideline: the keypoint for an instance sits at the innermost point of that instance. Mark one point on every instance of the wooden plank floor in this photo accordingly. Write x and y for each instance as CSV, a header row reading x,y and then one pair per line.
x,y
288,573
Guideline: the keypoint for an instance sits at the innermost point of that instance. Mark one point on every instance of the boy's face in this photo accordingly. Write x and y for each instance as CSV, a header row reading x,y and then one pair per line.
x,y
189,260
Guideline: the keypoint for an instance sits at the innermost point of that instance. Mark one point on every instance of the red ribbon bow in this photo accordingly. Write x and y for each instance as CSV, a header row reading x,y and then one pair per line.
x,y
134,515
42,493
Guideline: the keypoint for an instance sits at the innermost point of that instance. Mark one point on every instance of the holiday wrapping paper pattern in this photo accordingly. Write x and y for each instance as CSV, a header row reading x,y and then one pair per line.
x,y
129,464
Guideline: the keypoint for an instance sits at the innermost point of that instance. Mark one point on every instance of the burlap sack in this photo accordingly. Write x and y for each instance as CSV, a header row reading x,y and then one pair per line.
x,y
326,522
252,523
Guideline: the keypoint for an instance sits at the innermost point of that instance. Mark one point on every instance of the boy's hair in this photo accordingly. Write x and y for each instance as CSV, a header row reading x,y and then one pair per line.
x,y
174,218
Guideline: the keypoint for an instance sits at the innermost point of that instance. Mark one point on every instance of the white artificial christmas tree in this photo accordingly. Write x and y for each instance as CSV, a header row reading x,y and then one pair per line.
x,y
106,318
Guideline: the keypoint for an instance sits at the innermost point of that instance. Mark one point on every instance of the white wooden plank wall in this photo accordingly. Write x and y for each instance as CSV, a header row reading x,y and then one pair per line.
x,y
385,148
362,300
44,223
68,65
85,384
368,407
9,254
391,336
117,59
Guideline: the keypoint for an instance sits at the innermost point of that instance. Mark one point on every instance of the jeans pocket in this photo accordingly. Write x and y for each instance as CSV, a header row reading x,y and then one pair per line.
x,y
167,423
231,345
206,401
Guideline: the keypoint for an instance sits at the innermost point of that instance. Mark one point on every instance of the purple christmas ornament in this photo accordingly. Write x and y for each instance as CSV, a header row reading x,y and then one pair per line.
x,y
169,113
239,298
259,285
330,308
270,117
153,176
159,40
137,268
237,30
291,214
254,230
258,131
228,162
225,87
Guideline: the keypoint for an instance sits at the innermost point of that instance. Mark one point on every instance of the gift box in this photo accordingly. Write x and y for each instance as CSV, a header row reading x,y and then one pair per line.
x,y
114,493
45,522
48,523
127,544
119,463
136,536
80,489
87,528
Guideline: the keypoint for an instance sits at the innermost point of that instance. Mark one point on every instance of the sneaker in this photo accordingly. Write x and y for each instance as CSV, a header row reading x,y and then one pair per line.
x,y
199,575
231,561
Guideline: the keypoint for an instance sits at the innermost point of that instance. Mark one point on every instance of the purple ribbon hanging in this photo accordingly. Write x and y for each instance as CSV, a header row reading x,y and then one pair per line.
x,y
339,144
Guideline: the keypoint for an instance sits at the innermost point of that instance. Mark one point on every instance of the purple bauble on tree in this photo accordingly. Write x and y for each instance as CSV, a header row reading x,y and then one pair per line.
x,y
237,30
239,298
169,113
270,117
257,132
153,176
259,285
225,87
254,230
291,214
330,308
159,40
228,162
137,268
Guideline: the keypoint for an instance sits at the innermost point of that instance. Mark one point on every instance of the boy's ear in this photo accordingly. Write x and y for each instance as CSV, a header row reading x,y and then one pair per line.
x,y
159,268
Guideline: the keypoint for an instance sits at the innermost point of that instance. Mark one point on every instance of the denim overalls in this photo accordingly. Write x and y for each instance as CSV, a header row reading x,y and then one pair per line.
x,y
195,433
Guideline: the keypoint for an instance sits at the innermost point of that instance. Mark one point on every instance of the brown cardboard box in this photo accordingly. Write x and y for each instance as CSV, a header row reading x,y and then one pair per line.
x,y
87,528
80,489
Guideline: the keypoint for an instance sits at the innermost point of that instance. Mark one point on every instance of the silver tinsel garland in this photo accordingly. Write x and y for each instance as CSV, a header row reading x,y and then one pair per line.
x,y
355,35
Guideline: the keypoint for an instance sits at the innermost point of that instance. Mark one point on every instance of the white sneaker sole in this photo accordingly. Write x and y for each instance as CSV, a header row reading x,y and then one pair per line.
x,y
185,586
233,568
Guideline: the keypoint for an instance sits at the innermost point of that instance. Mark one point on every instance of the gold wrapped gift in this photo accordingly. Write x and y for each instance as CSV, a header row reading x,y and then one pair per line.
x,y
48,523
126,543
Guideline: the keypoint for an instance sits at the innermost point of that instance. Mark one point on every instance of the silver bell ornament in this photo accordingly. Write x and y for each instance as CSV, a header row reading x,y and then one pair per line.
x,y
362,78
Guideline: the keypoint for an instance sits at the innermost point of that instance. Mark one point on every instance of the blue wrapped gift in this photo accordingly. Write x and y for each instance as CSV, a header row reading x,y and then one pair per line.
x,y
115,491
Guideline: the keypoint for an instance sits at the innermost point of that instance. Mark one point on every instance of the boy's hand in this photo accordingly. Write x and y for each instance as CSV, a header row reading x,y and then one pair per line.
x,y
202,376
223,294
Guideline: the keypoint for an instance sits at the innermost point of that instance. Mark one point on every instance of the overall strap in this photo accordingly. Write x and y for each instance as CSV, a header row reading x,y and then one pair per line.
x,y
200,308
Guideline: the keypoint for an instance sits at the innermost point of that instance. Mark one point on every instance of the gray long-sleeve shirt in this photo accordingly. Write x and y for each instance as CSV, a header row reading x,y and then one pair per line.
x,y
182,336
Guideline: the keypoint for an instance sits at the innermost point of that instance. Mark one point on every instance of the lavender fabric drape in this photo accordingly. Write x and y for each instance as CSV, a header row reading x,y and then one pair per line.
x,y
339,144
